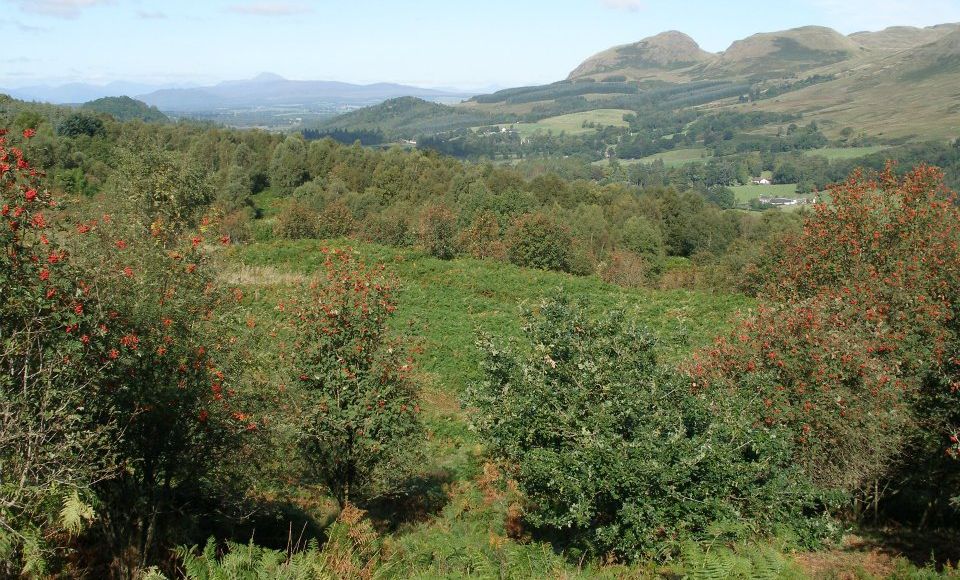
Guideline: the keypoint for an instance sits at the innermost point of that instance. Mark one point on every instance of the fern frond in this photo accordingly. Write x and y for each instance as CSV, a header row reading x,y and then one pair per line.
x,y
75,513
153,573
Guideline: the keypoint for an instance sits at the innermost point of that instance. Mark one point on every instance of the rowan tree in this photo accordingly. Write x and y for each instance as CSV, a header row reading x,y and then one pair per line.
x,y
857,339
357,418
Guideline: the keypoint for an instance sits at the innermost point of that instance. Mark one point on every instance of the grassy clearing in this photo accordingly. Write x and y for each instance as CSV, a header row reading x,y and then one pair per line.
x,y
680,156
674,158
745,193
572,124
448,301
844,153
268,202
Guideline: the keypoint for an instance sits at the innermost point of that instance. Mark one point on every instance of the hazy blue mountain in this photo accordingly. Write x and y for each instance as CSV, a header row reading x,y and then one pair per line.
x,y
74,93
268,89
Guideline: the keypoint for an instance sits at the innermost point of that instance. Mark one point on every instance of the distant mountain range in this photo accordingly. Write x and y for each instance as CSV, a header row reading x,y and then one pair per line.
x,y
264,90
75,93
272,90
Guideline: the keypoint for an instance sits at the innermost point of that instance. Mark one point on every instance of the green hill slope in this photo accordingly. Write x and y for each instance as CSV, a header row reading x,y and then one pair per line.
x,y
781,53
905,94
126,109
406,116
896,38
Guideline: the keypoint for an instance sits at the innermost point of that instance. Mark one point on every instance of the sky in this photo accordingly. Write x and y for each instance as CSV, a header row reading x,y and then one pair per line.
x,y
469,44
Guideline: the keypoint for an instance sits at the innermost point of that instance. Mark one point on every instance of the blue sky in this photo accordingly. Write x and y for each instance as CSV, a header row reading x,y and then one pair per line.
x,y
464,43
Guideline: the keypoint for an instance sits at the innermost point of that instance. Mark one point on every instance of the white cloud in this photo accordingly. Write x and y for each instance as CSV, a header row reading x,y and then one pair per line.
x,y
628,5
27,28
18,60
269,8
151,15
60,8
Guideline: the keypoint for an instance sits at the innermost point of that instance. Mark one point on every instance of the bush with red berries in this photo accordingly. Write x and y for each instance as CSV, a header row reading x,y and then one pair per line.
x,y
55,423
116,400
357,412
855,347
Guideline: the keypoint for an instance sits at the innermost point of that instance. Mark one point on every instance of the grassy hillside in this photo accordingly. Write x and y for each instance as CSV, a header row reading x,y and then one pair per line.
x,y
453,299
897,38
834,153
679,156
780,53
896,84
906,94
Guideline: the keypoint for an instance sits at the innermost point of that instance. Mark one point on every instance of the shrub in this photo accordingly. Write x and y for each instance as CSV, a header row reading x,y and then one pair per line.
x,y
297,221
627,269
358,424
167,191
583,258
482,238
312,194
288,167
391,227
616,455
171,337
54,424
857,345
114,376
438,232
234,195
237,226
335,220
78,124
642,237
537,241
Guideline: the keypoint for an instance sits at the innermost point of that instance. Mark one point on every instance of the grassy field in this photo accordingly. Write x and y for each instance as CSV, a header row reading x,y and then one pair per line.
x,y
572,123
844,153
680,156
448,301
745,193
674,158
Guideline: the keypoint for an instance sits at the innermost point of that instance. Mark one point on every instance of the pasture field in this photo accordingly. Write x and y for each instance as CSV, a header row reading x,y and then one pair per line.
x,y
680,156
844,153
572,123
745,193
674,158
